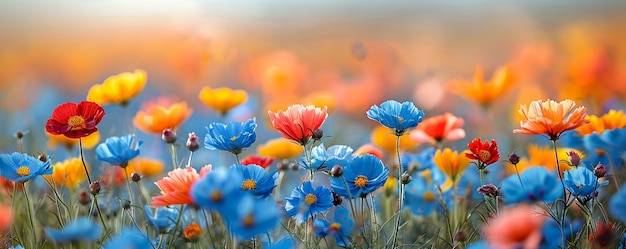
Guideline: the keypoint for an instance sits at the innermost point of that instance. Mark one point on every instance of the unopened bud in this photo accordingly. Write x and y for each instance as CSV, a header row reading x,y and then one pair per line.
x,y
337,199
336,171
192,142
282,165
84,198
126,204
318,134
514,159
460,236
95,187
19,135
574,158
168,136
599,170
135,177
43,158
489,190
294,166
405,178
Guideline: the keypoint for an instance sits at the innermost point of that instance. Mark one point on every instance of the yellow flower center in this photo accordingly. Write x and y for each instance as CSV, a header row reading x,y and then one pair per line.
x,y
23,171
248,221
233,138
217,196
484,155
76,122
360,181
310,199
248,184
401,119
428,196
335,226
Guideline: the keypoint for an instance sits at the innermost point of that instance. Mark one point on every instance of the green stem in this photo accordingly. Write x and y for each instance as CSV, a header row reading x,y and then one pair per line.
x,y
95,202
130,191
30,216
562,216
401,195
180,214
174,158
82,159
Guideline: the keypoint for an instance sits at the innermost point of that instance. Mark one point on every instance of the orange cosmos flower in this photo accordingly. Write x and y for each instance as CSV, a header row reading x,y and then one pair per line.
x,y
176,185
69,173
222,99
118,89
439,128
280,149
484,153
147,167
385,139
298,122
75,120
517,227
161,114
89,141
451,162
609,121
551,118
481,92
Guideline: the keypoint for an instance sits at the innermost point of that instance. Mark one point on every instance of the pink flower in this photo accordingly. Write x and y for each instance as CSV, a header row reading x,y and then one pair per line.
x,y
176,185
516,227
439,128
298,122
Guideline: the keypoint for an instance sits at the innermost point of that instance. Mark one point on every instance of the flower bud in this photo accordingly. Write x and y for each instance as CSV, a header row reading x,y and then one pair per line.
x,y
294,166
599,170
489,190
135,177
574,158
337,199
405,178
282,165
460,236
43,158
193,232
84,198
168,136
336,171
126,204
19,135
318,134
514,159
192,142
94,187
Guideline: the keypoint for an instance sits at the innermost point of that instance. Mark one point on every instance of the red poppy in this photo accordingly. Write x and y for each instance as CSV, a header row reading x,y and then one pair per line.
x,y
75,120
485,153
264,162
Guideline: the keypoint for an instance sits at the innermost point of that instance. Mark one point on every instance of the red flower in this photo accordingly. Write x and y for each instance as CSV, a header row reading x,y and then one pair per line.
x,y
298,122
75,120
483,152
264,162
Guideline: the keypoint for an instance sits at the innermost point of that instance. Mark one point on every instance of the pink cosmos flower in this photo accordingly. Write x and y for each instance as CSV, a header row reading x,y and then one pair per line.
x,y
516,227
176,185
298,122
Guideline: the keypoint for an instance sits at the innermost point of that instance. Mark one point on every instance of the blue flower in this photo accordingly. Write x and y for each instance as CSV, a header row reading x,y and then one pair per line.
x,y
609,142
233,137
423,192
396,116
163,218
252,216
118,150
364,175
81,229
17,247
285,243
325,159
622,242
418,162
19,167
129,238
255,179
306,201
539,185
340,228
617,204
218,190
581,181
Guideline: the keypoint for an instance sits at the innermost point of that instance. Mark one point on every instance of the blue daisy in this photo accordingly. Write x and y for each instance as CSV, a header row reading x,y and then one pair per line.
x,y
324,159
539,185
364,175
581,181
340,228
81,229
218,190
163,218
118,150
418,162
20,167
233,137
610,142
253,216
306,201
255,179
396,116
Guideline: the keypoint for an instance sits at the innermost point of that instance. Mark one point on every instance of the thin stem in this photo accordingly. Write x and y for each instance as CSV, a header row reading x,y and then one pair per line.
x,y
30,216
174,158
373,220
82,159
558,168
401,195
130,191
190,157
518,175
95,202
180,214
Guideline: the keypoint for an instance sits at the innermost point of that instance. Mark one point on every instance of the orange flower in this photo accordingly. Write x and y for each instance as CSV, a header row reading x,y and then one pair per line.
x,y
551,118
176,185
481,92
193,232
439,128
147,167
89,141
222,99
118,89
517,227
280,149
161,114
69,173
451,162
298,122
609,121
369,149
385,139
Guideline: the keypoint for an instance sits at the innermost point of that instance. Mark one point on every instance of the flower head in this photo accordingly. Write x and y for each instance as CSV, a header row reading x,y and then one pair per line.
x,y
340,228
222,99
118,150
484,153
364,174
233,137
69,173
163,218
280,148
146,167
445,127
484,92
537,184
254,179
306,201
156,116
118,89
551,118
423,193
324,159
175,187
298,122
451,163
516,227
396,116
219,190
614,119
581,181
19,167
81,229
75,120
264,162
252,217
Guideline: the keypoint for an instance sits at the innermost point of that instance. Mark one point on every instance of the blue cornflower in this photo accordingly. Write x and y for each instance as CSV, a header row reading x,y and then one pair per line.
x,y
324,159
418,162
423,192
609,142
163,218
539,185
128,238
581,181
81,229
617,204
396,116
118,150
340,228
218,190
253,216
255,179
20,167
233,137
306,201
364,175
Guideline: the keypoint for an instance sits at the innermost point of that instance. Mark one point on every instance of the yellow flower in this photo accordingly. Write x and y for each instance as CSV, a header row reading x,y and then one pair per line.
x,y
391,185
146,167
88,142
481,92
69,173
161,114
544,156
118,89
609,121
385,139
280,148
451,162
222,99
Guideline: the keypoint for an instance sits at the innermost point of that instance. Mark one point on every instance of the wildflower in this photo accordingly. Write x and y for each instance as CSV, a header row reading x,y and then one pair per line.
x,y
84,197
298,122
514,159
340,228
418,162
118,150
424,193
264,162
581,182
222,99
606,147
396,116
128,238
88,142
118,89
218,190
193,232
163,218
551,118
543,156
489,190
168,136
451,163
484,153
574,158
146,167
323,159
255,179
81,229
484,92
19,167
233,137
516,227
538,185
336,171
617,204
364,175
306,201
69,173
75,120
279,148
252,217
175,187
382,137
370,149
192,142
600,170
156,116
434,130
603,235
614,119
95,187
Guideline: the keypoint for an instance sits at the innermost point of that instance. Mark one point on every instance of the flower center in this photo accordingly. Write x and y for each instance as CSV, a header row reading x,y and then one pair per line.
x,y
217,196
401,119
248,184
335,227
310,199
248,221
428,196
360,181
23,171
76,122
484,155
233,138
